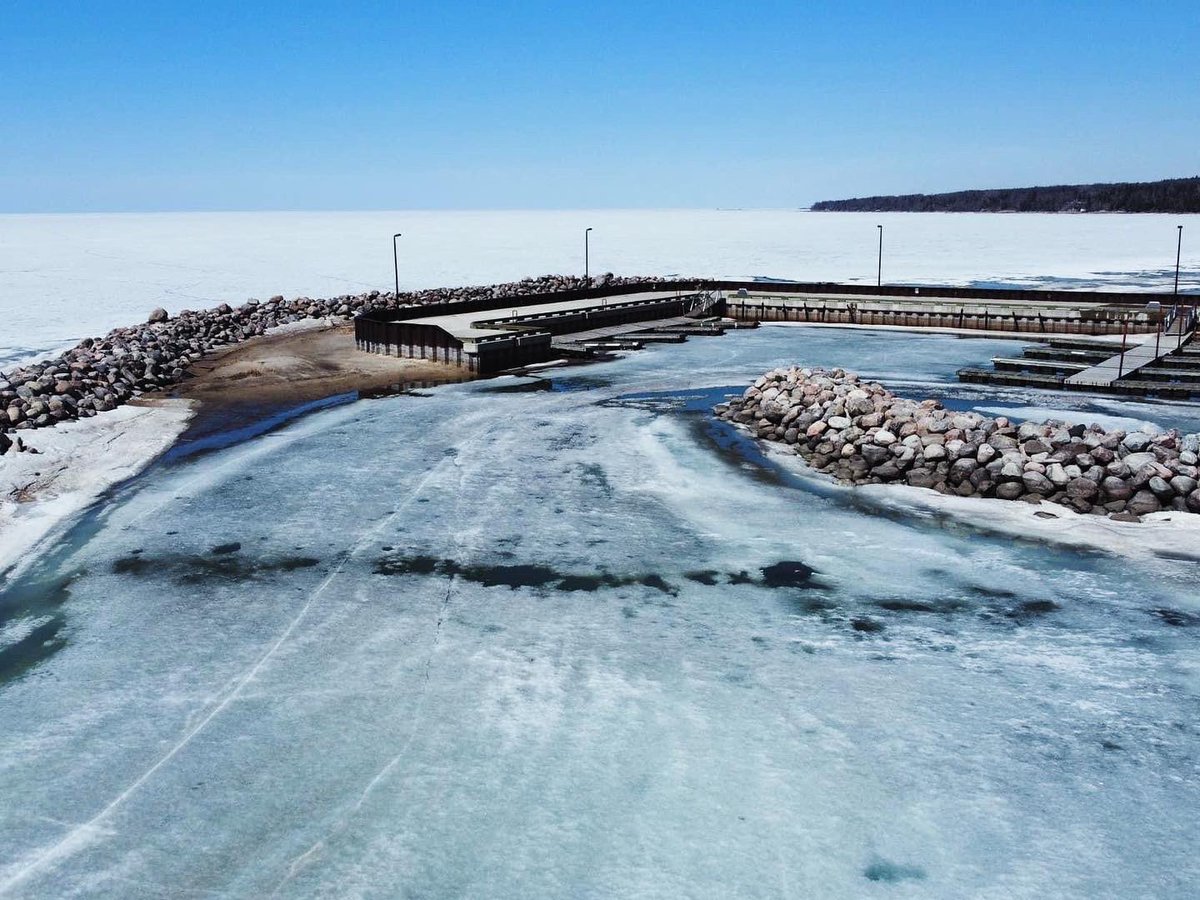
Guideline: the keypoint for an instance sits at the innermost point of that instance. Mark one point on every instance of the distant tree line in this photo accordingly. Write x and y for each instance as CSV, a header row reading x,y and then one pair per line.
x,y
1174,195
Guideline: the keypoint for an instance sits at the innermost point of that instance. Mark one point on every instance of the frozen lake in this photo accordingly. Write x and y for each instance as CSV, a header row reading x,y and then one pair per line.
x,y
560,638
66,277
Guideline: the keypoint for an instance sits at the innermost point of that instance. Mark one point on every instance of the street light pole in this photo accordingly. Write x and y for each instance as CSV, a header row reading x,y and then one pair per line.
x,y
1178,248
587,277
396,265
879,269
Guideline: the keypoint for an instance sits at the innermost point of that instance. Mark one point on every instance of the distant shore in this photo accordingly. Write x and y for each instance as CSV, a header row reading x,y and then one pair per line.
x,y
1180,196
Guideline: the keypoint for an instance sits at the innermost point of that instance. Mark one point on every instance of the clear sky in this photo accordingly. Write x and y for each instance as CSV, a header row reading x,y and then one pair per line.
x,y
371,105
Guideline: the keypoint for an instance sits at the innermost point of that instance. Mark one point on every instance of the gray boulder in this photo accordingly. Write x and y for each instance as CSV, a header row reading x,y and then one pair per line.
x,y
1037,483
1116,488
874,454
1160,488
1143,502
1183,485
1083,489
1136,441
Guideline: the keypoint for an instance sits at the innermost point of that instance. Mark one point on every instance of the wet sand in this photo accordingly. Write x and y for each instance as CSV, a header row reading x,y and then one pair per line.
x,y
303,365
260,384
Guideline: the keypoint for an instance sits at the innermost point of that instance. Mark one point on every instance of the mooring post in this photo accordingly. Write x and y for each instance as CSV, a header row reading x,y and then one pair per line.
x,y
879,266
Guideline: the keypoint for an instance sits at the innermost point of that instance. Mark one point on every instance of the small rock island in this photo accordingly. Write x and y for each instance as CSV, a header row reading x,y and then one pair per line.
x,y
862,433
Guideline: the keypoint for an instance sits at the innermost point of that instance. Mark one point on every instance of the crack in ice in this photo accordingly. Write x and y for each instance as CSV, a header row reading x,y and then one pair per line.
x,y
82,834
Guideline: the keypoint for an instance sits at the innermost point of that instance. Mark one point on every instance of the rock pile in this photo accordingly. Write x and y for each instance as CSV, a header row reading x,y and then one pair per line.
x,y
102,373
861,433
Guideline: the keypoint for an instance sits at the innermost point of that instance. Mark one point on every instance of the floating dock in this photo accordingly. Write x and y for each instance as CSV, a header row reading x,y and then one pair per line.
x,y
1165,364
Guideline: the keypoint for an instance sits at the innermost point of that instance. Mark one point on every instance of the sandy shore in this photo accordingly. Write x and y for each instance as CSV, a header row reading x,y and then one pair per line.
x,y
40,494
295,365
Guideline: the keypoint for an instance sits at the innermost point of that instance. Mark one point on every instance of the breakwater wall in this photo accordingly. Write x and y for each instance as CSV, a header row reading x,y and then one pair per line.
x,y
861,433
99,374
104,372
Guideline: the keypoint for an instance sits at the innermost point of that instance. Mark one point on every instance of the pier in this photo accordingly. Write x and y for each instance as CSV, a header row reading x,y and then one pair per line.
x,y
1163,364
486,341
495,334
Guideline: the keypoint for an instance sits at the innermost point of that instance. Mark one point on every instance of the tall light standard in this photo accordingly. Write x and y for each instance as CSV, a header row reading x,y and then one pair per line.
x,y
879,269
1178,247
396,265
587,277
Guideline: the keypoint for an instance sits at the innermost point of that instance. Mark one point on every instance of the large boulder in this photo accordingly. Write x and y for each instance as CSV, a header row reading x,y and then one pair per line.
x,y
874,454
1037,483
1010,490
158,315
1083,489
1183,484
1143,502
1160,488
1136,441
1116,488
1135,461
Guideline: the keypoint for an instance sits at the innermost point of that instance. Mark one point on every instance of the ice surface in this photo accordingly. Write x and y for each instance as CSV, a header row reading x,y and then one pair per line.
x,y
65,277
511,639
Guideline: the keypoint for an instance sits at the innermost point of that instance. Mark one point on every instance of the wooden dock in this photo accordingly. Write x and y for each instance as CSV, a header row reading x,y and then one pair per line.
x,y
1130,360
1164,364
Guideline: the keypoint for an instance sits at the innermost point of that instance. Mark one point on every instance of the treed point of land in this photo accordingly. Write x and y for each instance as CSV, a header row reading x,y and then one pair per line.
x,y
1172,195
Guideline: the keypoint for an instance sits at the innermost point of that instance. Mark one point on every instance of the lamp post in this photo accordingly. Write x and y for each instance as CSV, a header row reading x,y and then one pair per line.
x,y
587,277
879,268
396,265
1178,247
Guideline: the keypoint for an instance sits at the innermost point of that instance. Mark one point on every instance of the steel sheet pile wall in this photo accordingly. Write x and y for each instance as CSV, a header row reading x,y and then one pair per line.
x,y
1023,320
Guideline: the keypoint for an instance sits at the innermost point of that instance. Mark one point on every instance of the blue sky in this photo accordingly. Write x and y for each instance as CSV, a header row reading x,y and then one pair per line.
x,y
372,105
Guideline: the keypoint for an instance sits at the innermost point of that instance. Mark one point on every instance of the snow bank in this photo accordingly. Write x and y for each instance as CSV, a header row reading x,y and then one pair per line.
x,y
40,493
1171,534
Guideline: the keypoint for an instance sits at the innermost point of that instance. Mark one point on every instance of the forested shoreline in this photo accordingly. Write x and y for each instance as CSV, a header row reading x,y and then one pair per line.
x,y
1173,195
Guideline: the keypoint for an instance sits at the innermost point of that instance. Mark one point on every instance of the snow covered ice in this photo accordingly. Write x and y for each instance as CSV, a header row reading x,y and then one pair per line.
x,y
514,638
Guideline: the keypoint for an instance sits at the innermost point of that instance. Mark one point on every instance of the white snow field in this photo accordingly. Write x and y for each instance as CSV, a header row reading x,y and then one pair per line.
x,y
555,638
65,277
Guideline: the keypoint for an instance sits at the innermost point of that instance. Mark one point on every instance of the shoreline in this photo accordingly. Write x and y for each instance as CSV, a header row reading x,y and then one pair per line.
x,y
276,377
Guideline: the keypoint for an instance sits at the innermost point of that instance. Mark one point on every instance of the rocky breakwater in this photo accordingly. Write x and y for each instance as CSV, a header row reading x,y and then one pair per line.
x,y
861,433
102,373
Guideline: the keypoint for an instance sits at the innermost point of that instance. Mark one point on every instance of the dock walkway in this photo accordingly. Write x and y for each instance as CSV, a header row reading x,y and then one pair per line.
x,y
1123,364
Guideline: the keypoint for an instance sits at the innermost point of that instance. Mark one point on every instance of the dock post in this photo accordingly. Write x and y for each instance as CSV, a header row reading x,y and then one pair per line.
x,y
1124,334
